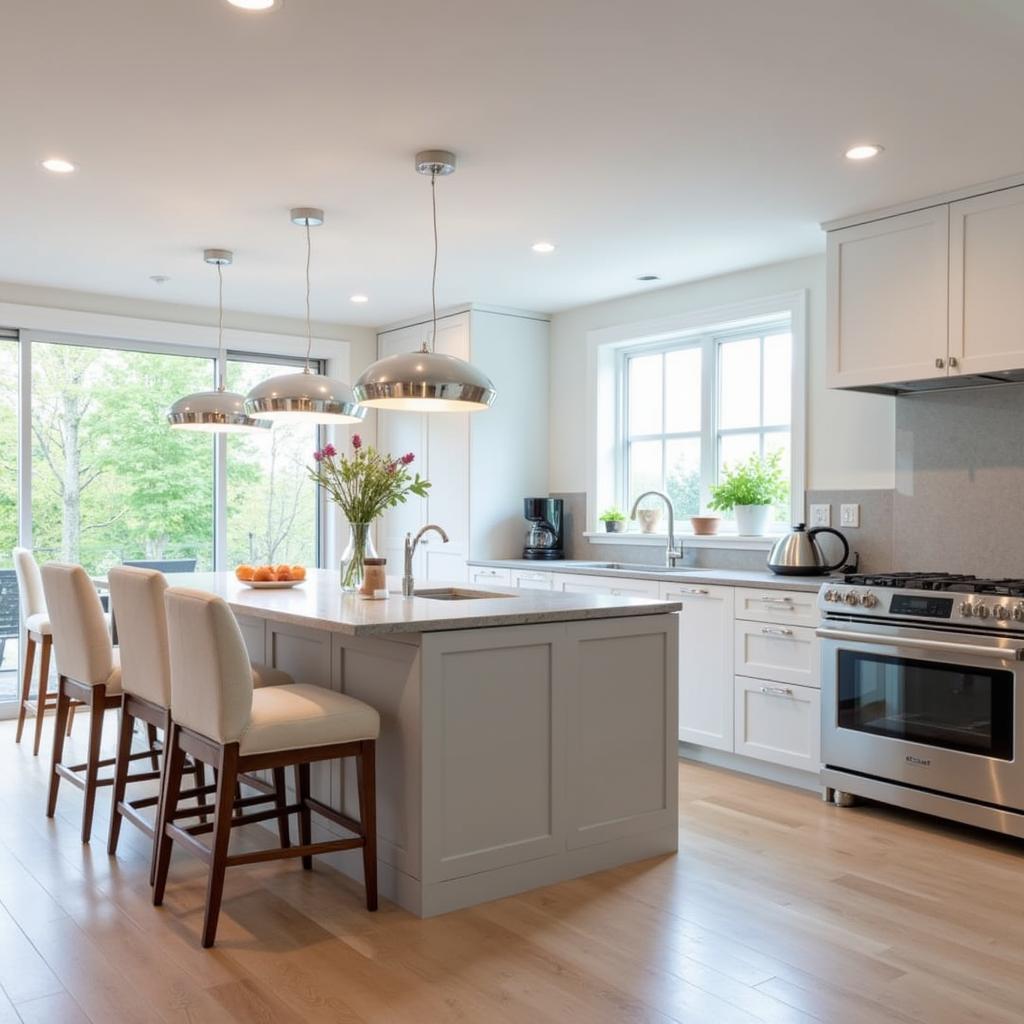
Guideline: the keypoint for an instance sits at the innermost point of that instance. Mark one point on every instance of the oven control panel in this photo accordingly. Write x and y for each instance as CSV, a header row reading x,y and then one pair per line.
x,y
983,610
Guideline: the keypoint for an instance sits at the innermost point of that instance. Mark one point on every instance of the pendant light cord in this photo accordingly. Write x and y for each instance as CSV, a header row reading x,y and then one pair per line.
x,y
433,278
309,327
220,328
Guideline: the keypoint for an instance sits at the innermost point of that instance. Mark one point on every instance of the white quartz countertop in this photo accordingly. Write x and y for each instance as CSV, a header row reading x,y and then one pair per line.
x,y
725,577
319,602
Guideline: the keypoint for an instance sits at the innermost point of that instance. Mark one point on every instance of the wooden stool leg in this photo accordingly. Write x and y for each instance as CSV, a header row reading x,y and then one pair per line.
x,y
366,772
71,718
124,749
280,802
44,690
174,761
226,780
200,780
97,701
305,814
26,684
161,796
154,757
63,704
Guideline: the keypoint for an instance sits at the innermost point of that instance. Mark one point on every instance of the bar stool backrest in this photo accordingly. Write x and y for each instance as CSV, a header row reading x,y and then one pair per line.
x,y
30,584
80,637
211,678
137,601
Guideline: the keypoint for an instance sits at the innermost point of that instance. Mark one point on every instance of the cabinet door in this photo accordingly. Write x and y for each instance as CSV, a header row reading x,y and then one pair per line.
x,y
705,664
887,300
483,575
398,433
787,654
986,271
526,580
778,723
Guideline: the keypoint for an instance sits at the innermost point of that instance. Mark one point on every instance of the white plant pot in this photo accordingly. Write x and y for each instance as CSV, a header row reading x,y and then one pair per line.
x,y
752,520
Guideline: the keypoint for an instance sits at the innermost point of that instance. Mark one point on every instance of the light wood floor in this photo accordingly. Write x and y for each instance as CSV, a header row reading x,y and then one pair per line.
x,y
777,909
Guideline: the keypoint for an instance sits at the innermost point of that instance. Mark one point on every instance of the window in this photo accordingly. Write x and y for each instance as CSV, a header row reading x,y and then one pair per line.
x,y
698,404
676,400
10,640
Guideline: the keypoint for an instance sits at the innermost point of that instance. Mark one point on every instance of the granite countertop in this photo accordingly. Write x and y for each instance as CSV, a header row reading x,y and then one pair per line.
x,y
319,603
724,577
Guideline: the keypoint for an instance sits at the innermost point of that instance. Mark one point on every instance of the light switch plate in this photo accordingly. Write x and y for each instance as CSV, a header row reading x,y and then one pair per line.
x,y
821,515
849,515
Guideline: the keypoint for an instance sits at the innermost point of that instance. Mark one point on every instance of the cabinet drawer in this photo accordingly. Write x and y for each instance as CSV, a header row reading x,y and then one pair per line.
x,y
788,607
778,723
578,583
527,580
479,574
787,654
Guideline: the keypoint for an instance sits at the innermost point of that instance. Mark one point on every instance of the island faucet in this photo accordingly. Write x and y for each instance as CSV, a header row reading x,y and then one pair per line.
x,y
672,554
408,583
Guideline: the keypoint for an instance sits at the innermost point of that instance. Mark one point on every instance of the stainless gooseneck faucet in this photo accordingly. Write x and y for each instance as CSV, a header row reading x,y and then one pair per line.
x,y
408,583
673,555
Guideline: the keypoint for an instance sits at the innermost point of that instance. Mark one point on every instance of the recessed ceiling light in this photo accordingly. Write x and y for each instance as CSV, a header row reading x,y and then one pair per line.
x,y
255,5
648,277
59,166
543,247
863,152
359,298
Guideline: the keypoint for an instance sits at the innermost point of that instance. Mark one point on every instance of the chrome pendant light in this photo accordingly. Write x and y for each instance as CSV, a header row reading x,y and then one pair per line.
x,y
426,381
220,411
307,397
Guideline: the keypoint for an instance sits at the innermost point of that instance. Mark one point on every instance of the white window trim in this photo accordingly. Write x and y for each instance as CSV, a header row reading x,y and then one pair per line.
x,y
604,347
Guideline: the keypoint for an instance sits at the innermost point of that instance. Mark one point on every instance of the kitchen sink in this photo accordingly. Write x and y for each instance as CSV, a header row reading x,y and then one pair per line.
x,y
633,567
457,594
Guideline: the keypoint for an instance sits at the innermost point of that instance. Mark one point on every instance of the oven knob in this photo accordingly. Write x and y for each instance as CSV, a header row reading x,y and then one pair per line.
x,y
829,595
1000,611
981,611
852,598
965,608
869,600
1018,613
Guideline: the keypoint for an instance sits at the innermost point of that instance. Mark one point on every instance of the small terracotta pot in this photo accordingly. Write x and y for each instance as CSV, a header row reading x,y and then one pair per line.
x,y
705,526
649,519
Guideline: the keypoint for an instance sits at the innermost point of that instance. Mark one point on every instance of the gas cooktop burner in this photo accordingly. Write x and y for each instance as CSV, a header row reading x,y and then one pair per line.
x,y
956,583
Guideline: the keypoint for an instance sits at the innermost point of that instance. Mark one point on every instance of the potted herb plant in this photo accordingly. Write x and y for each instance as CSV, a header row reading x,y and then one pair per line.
x,y
614,520
750,489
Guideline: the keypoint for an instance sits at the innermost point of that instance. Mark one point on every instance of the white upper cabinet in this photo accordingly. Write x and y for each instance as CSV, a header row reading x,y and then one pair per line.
x,y
925,299
887,300
986,282
480,465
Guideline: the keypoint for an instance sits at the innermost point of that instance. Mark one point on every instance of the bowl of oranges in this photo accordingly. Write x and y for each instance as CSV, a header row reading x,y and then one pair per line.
x,y
270,577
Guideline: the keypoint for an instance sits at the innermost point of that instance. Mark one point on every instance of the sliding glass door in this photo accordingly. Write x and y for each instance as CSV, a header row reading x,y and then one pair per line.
x,y
10,647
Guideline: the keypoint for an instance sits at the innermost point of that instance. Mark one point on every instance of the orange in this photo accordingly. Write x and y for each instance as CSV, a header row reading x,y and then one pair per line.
x,y
298,572
263,574
283,567
283,572
244,572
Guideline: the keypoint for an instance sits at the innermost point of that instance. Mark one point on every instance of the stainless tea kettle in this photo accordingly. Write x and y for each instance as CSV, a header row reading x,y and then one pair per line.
x,y
799,554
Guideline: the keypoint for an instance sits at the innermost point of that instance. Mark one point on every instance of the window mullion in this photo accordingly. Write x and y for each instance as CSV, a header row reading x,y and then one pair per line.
x,y
709,418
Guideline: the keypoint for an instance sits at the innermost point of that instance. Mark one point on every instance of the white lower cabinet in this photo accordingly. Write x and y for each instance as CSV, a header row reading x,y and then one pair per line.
x,y
528,580
570,583
778,722
705,663
767,650
497,577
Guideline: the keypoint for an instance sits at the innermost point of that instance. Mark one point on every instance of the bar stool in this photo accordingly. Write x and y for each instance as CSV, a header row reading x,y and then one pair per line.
x,y
137,600
219,718
37,635
88,671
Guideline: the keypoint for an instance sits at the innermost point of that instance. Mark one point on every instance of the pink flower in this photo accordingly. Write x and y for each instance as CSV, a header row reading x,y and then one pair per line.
x,y
357,442
407,458
317,456
330,450
391,467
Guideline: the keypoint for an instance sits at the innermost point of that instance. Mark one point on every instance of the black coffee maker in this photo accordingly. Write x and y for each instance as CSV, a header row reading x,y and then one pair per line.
x,y
544,538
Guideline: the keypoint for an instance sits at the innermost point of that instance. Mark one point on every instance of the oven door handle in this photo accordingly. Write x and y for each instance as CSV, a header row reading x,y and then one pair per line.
x,y
1015,653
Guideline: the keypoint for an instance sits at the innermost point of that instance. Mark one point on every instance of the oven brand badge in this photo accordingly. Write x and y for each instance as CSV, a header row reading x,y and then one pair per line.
x,y
923,761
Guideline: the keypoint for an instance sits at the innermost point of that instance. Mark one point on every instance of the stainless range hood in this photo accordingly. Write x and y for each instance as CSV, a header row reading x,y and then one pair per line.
x,y
914,387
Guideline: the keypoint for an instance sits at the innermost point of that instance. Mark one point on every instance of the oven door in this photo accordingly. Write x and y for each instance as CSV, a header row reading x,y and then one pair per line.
x,y
923,708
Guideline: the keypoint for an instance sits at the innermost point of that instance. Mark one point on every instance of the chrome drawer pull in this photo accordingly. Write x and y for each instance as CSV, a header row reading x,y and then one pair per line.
x,y
768,631
696,591
776,600
777,691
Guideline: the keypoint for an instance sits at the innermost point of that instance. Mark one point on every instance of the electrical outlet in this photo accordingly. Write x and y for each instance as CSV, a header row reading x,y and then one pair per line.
x,y
849,515
821,515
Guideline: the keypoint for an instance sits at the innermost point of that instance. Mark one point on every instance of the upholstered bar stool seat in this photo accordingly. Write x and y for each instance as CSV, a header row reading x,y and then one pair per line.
x,y
220,718
266,675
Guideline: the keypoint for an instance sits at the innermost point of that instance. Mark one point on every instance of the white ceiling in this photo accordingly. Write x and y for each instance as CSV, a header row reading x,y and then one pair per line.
x,y
677,137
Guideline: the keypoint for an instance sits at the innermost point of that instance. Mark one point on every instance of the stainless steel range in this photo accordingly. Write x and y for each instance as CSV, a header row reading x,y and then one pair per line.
x,y
921,685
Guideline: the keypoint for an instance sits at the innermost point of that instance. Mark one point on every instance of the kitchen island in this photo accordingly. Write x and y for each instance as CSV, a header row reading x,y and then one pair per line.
x,y
526,737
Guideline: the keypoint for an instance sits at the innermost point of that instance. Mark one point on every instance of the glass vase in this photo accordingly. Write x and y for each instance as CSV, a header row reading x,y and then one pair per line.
x,y
353,558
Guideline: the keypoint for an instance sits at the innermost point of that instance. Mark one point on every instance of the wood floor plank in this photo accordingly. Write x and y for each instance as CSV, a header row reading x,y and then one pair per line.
x,y
56,1009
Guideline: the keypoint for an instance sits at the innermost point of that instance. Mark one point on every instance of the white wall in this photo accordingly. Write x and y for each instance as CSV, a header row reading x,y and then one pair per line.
x,y
850,437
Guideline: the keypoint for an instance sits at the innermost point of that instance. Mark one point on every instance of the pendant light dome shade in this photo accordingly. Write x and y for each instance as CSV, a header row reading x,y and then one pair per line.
x,y
219,411
305,396
426,381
